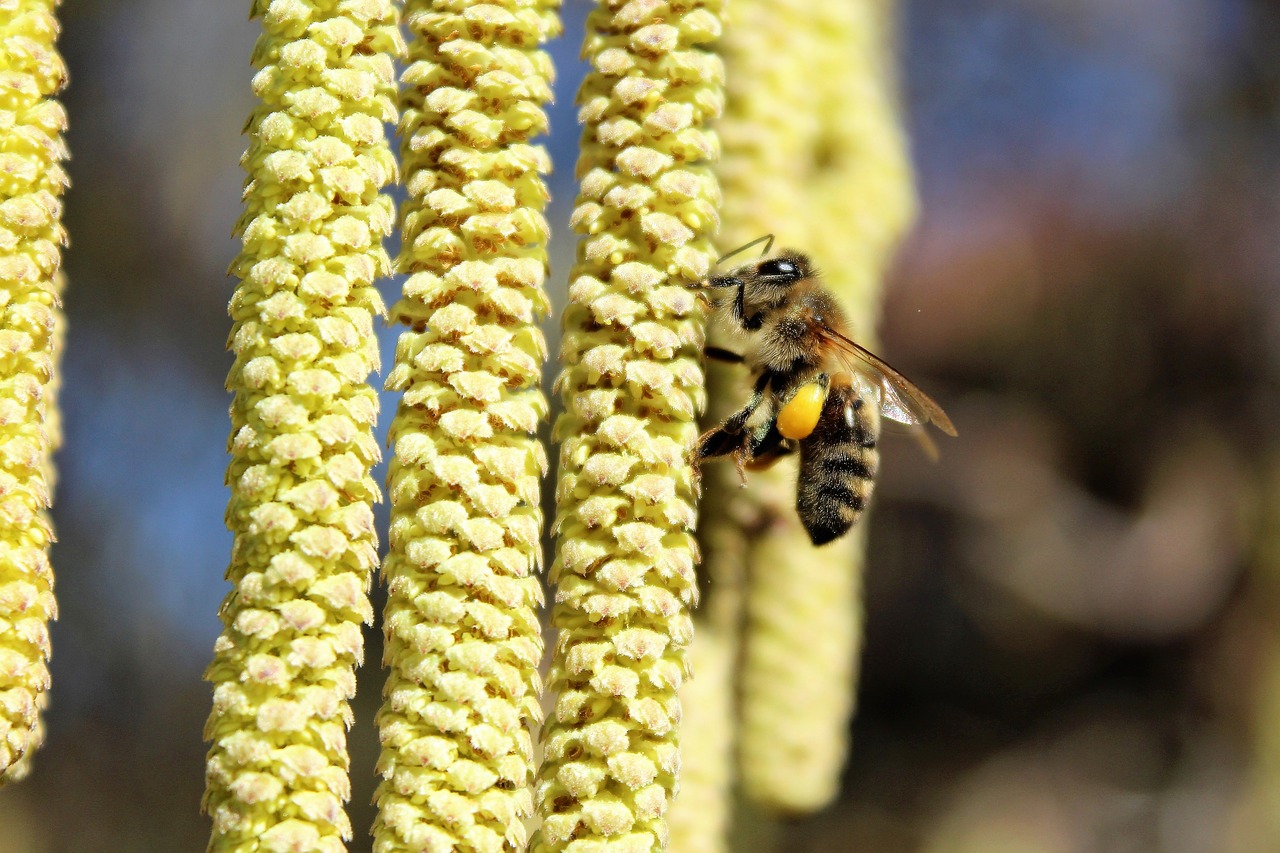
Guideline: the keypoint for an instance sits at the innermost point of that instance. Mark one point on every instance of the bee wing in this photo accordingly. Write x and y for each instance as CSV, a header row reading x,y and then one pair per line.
x,y
900,399
919,434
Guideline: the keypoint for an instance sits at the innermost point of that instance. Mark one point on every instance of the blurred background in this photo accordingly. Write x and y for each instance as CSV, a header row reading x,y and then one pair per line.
x,y
1073,633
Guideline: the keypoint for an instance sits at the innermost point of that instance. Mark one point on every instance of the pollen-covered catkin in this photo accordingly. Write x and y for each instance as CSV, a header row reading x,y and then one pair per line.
x,y
804,610
769,132
463,637
302,418
1254,822
31,239
632,387
700,813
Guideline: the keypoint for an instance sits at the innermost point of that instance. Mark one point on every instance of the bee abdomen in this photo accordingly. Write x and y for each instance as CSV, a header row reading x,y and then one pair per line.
x,y
855,464
838,463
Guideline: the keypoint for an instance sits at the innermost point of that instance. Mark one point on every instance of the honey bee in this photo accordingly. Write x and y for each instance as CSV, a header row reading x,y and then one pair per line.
x,y
815,391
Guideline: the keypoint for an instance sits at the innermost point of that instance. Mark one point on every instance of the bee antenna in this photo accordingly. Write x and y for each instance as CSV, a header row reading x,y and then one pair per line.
x,y
766,239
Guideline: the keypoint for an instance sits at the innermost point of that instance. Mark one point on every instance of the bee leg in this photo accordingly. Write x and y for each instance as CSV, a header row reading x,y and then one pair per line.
x,y
764,446
735,422
752,323
718,442
761,463
719,354
738,420
740,460
768,444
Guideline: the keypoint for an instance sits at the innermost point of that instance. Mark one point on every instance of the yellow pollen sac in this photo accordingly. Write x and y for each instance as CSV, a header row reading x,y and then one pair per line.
x,y
800,415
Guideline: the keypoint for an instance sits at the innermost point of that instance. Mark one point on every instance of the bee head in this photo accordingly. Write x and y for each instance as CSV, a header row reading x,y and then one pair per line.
x,y
786,269
778,273
768,284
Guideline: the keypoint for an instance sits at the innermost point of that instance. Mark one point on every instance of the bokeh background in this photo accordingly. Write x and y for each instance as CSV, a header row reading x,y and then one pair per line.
x,y
1073,632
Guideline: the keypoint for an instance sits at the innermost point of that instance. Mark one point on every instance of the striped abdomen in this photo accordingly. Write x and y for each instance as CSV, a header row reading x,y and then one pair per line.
x,y
838,463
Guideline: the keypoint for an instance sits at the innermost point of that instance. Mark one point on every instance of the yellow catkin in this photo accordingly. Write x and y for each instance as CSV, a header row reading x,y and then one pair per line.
x,y
803,607
302,418
21,768
632,386
1254,820
463,638
768,131
31,239
700,813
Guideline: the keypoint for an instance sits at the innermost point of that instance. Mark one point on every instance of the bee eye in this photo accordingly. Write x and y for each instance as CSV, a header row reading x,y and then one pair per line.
x,y
781,267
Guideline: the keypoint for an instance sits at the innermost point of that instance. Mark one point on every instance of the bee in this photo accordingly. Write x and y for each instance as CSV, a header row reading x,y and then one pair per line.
x,y
815,390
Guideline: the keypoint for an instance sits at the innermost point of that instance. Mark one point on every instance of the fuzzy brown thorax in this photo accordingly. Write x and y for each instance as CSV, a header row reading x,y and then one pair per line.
x,y
792,341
